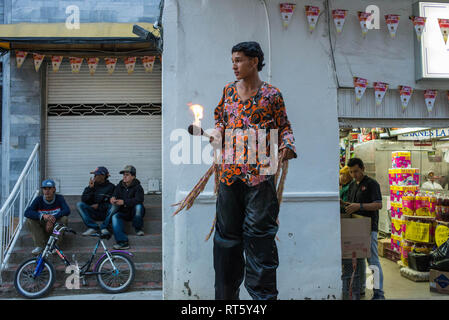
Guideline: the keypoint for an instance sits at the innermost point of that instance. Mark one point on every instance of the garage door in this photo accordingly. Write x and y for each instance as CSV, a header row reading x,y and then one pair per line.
x,y
102,120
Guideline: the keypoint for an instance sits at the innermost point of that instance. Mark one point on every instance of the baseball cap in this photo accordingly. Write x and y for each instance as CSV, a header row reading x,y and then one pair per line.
x,y
48,184
129,169
101,170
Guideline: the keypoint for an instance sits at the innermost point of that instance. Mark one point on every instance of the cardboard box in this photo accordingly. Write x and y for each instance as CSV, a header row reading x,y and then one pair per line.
x,y
355,236
439,281
383,244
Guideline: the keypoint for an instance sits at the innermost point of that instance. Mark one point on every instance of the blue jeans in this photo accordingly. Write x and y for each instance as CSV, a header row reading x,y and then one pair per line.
x,y
373,261
90,215
118,219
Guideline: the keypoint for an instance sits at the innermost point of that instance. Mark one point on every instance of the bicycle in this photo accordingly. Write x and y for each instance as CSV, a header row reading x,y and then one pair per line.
x,y
114,270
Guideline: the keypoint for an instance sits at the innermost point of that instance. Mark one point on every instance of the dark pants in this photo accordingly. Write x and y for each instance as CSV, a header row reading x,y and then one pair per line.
x,y
135,215
246,223
90,215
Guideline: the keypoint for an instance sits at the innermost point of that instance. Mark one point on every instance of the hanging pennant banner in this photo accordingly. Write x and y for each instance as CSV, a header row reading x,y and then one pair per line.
x,y
444,26
360,85
148,63
339,19
419,23
38,58
405,93
312,14
76,63
287,10
56,62
363,18
430,96
92,63
130,63
20,57
380,88
110,64
392,21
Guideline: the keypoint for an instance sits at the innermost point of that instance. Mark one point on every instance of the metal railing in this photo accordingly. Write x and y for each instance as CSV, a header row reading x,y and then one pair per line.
x,y
12,211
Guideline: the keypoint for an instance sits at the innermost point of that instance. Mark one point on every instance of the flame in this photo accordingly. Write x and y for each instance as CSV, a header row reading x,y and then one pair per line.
x,y
197,110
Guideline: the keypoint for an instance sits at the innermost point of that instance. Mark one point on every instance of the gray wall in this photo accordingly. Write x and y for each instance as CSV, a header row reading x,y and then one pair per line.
x,y
25,97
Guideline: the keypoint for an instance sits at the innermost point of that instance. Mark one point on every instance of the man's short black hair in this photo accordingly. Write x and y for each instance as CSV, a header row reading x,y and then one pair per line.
x,y
356,161
250,49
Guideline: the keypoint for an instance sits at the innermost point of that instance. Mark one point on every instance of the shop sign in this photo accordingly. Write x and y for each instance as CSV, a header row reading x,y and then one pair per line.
x,y
425,135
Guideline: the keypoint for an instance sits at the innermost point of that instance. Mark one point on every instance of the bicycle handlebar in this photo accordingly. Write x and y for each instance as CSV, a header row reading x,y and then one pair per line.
x,y
60,227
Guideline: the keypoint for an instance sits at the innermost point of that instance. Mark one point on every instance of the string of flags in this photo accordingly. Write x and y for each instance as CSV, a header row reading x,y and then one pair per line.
x,y
405,93
339,16
92,63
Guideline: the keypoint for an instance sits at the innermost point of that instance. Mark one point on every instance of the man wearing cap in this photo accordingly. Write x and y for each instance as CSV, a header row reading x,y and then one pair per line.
x,y
43,213
94,203
129,197
431,183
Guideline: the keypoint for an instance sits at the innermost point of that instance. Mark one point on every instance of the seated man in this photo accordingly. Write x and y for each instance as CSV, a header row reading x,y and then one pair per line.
x,y
94,203
43,213
128,201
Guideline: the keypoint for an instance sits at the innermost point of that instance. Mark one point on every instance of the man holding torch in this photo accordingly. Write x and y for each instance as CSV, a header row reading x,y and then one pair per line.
x,y
247,204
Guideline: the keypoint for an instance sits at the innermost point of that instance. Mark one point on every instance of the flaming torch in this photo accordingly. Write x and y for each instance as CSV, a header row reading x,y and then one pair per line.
x,y
195,128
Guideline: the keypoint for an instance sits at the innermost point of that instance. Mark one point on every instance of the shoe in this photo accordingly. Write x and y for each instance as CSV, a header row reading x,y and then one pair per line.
x,y
140,233
36,251
121,246
378,296
89,232
105,232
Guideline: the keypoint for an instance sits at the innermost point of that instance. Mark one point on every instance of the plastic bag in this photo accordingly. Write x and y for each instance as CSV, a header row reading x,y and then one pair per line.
x,y
440,257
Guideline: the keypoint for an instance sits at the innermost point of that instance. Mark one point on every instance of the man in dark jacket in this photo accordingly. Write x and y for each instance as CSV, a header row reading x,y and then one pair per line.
x,y
43,213
94,203
128,197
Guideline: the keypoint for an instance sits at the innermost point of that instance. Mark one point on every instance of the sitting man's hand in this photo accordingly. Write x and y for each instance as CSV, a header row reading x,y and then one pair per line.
x,y
50,222
94,206
112,200
119,202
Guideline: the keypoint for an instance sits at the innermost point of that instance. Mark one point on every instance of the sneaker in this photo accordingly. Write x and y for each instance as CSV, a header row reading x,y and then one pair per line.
x,y
140,233
105,232
121,246
89,232
36,251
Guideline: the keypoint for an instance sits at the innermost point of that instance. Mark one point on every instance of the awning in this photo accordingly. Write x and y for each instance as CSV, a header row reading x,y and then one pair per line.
x,y
95,39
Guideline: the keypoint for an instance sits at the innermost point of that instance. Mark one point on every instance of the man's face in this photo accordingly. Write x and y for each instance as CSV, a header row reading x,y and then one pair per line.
x,y
243,66
100,178
356,172
128,177
49,193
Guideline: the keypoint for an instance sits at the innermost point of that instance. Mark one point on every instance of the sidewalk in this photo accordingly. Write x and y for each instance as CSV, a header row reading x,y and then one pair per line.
x,y
137,295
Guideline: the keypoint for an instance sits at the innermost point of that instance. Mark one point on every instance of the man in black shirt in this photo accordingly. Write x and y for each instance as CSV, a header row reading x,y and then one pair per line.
x,y
365,199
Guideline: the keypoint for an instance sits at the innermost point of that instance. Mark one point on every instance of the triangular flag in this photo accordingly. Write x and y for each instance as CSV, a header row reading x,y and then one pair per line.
x,y
130,62
312,14
380,88
392,21
405,93
430,96
76,63
419,23
148,63
339,16
287,10
363,18
56,62
20,57
444,26
110,64
92,63
360,85
38,58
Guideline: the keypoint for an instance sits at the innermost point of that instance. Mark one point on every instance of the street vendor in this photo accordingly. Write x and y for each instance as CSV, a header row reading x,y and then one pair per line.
x,y
365,199
247,204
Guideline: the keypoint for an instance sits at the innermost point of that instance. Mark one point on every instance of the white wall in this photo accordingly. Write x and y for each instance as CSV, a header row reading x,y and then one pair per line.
x,y
198,37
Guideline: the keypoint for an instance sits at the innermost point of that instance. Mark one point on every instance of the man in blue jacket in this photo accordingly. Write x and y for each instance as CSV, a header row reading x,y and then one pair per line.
x,y
43,213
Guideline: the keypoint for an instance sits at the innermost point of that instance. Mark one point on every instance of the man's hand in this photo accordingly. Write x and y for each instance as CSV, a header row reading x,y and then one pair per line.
x,y
216,139
50,221
112,200
287,154
91,183
94,206
119,202
352,207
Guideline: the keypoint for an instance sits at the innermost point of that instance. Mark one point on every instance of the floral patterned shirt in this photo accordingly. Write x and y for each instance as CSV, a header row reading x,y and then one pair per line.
x,y
258,115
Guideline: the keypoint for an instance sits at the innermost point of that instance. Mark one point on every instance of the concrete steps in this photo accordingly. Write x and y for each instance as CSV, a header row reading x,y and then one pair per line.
x,y
146,250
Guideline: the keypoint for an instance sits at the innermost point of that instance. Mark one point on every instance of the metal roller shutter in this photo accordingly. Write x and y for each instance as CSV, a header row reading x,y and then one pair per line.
x,y
79,141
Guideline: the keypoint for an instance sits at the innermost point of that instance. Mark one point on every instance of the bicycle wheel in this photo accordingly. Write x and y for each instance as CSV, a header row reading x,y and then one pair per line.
x,y
115,281
34,287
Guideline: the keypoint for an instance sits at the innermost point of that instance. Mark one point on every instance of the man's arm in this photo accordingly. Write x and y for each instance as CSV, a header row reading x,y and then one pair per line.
x,y
32,211
138,198
354,207
286,138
